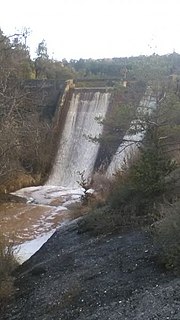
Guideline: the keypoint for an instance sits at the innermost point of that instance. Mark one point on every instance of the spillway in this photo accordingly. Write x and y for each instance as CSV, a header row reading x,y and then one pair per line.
x,y
76,153
48,206
129,146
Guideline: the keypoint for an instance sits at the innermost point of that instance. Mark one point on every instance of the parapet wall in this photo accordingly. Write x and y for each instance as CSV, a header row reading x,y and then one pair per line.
x,y
46,94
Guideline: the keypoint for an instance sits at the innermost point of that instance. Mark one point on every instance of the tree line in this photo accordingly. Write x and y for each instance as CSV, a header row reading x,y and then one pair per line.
x,y
24,159
23,133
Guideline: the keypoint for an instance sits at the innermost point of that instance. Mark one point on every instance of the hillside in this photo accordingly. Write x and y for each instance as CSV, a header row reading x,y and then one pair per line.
x,y
75,276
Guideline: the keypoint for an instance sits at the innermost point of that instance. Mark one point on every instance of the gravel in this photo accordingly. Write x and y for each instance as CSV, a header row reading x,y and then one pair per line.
x,y
75,276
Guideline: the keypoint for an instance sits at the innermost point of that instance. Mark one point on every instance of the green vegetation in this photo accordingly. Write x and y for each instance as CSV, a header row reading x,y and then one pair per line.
x,y
166,234
25,135
46,68
145,185
125,102
140,68
134,195
148,181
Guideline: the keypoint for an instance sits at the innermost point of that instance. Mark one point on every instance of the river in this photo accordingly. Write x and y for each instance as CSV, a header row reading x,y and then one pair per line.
x,y
29,225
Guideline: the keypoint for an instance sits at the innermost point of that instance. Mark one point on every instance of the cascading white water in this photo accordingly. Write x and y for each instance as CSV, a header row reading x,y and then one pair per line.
x,y
49,206
76,153
130,141
50,203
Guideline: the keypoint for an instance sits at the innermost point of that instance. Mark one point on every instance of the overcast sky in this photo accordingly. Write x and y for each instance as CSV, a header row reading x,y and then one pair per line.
x,y
96,28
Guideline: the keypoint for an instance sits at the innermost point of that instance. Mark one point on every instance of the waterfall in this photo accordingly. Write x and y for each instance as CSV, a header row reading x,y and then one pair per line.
x,y
130,141
76,153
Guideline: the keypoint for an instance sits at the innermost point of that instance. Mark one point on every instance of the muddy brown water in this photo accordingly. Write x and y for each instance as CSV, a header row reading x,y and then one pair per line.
x,y
28,225
21,222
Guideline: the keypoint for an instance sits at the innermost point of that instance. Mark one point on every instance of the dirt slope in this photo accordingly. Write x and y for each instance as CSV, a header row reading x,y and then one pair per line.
x,y
75,276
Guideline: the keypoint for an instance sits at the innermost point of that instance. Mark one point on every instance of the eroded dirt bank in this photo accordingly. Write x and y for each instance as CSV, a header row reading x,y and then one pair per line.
x,y
75,276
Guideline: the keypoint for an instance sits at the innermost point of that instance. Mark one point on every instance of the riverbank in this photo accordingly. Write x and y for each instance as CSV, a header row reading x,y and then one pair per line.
x,y
77,276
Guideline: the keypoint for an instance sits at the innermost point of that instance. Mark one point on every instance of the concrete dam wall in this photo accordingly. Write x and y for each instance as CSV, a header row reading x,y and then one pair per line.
x,y
76,153
73,112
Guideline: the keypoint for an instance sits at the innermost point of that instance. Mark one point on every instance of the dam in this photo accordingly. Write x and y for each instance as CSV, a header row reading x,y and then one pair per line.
x,y
49,206
76,153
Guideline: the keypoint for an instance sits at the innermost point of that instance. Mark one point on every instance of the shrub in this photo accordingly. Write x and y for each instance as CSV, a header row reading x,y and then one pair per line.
x,y
104,220
96,192
98,221
101,184
167,235
96,189
143,183
7,265
134,195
